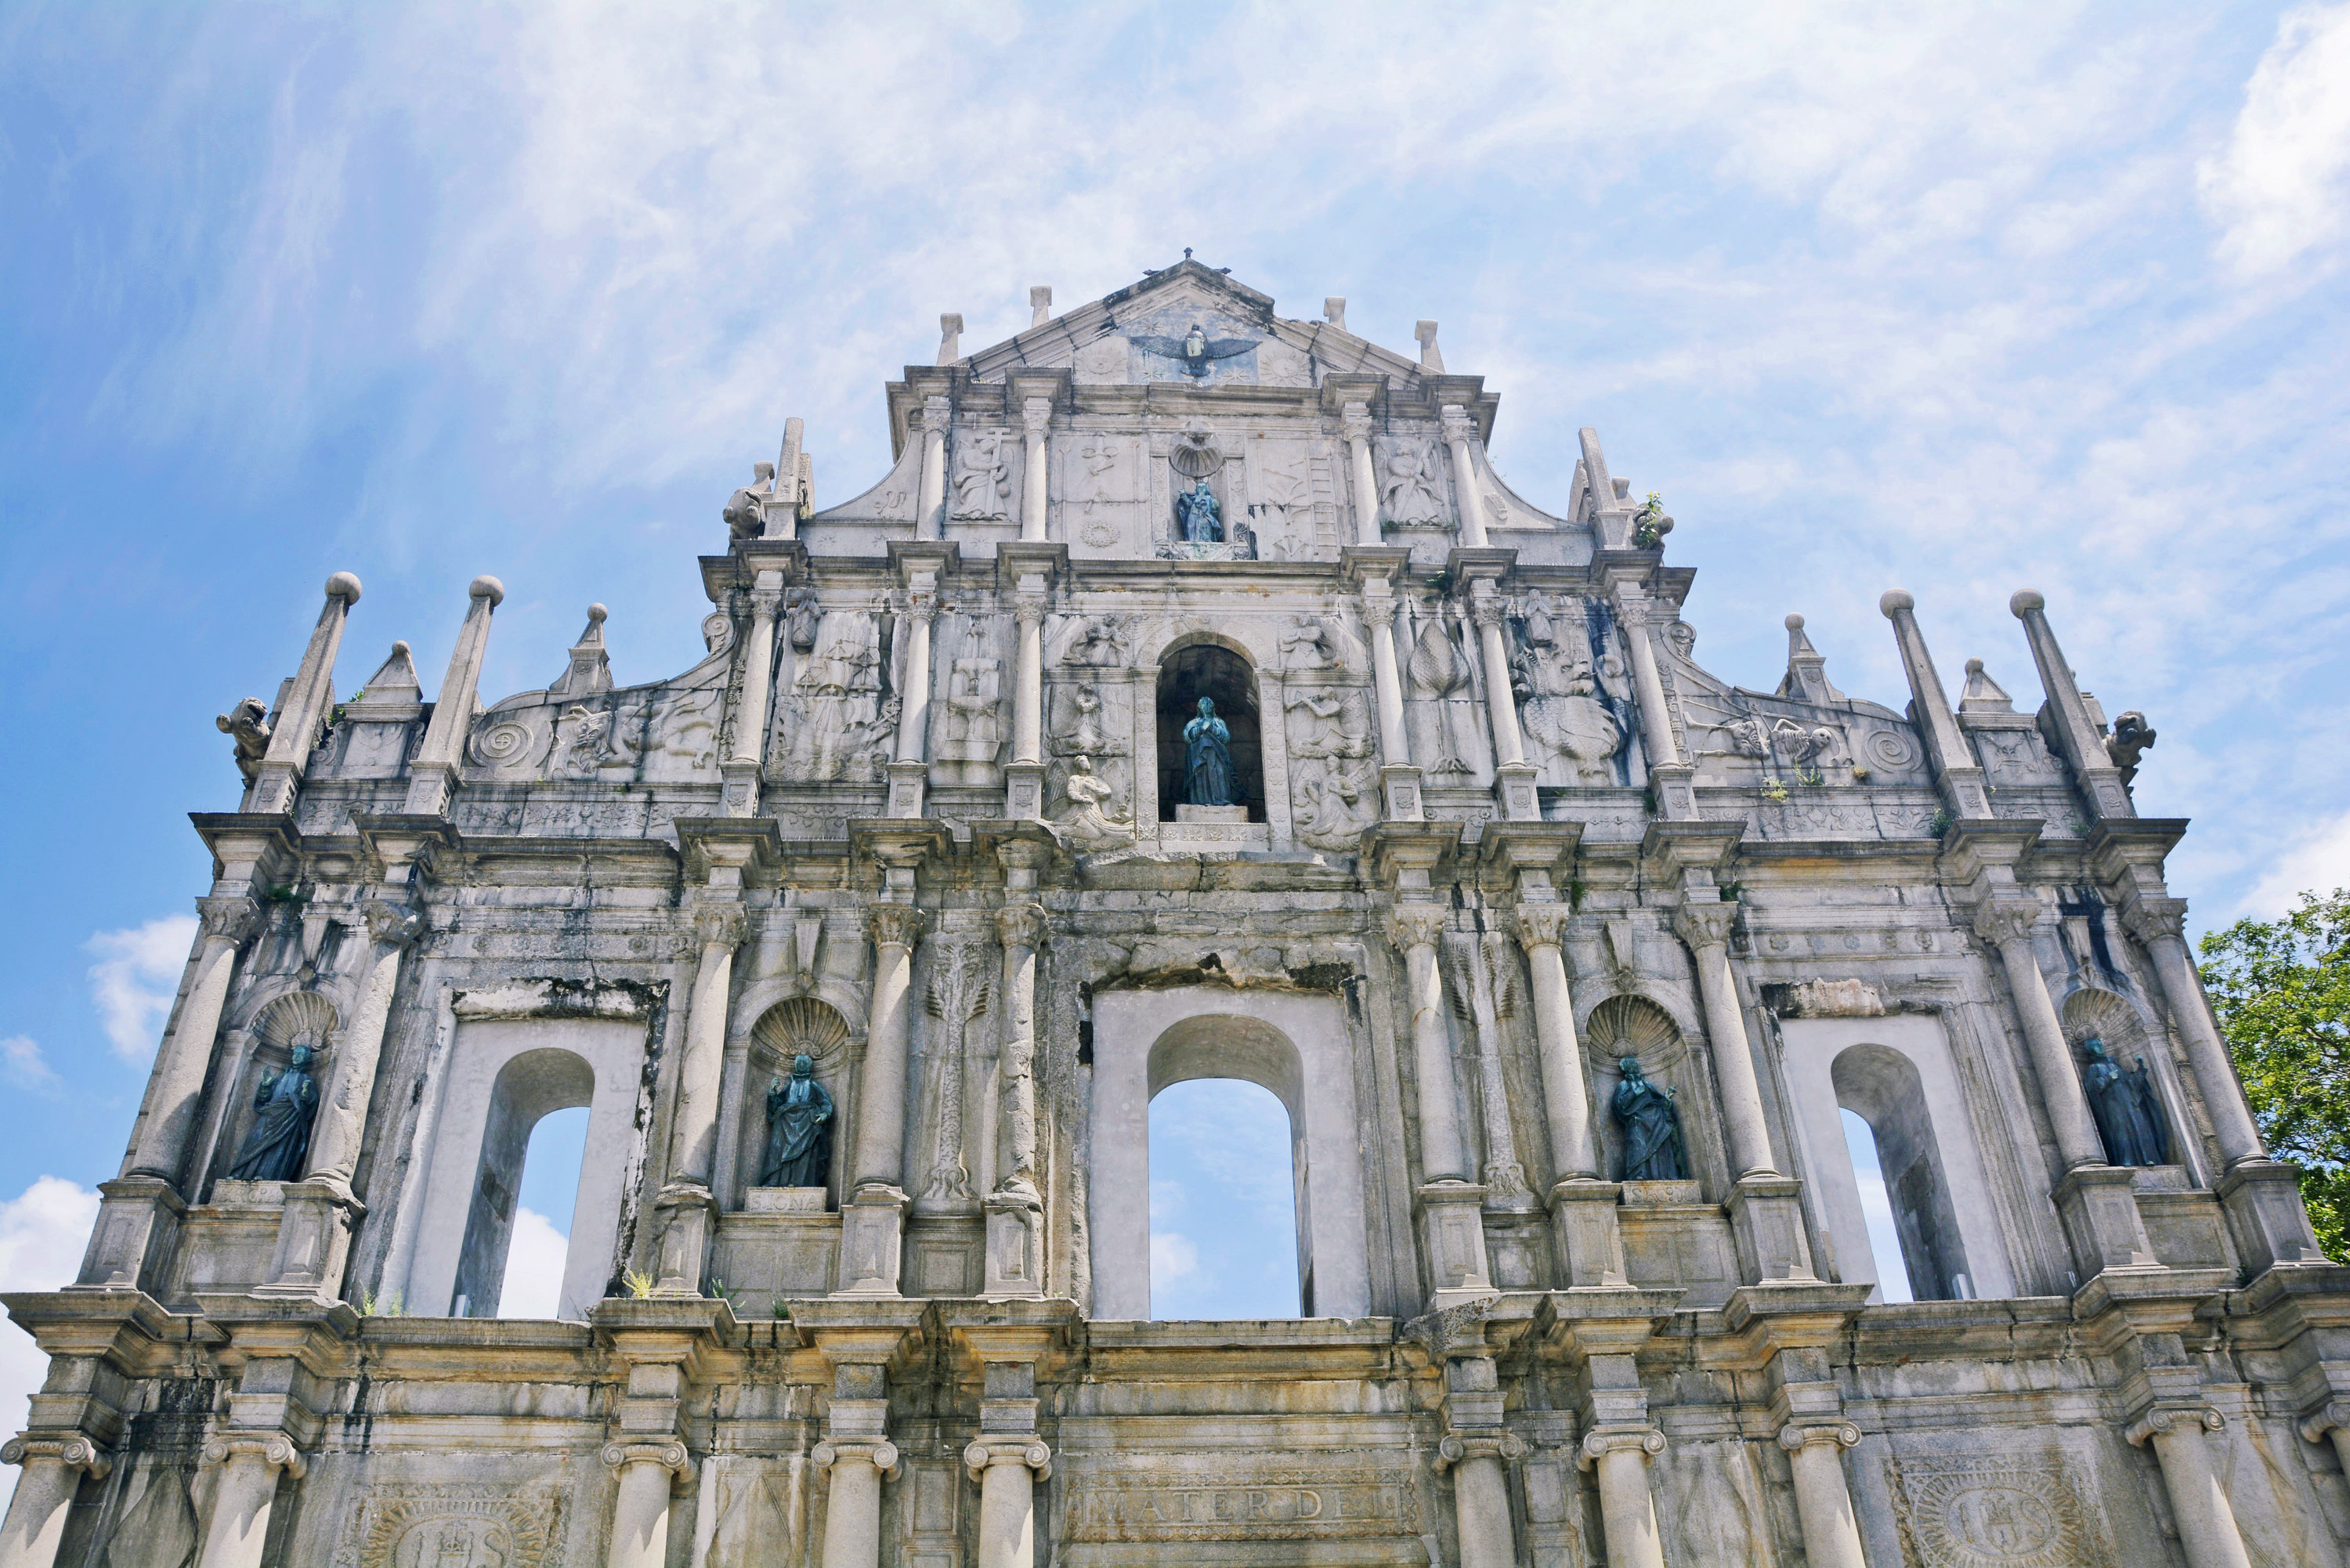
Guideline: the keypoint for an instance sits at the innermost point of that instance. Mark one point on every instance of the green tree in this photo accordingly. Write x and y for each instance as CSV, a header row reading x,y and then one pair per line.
x,y
2282,990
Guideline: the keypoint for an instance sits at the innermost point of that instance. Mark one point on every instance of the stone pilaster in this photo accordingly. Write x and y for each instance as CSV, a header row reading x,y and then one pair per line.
x,y
1460,434
1016,1210
248,1464
53,1466
1668,771
1600,1333
660,1348
1355,423
1036,418
930,507
909,774
873,1220
2207,1523
747,756
1023,788
1513,780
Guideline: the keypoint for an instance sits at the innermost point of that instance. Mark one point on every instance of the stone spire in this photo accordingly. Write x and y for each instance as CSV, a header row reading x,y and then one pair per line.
x,y
1982,694
590,671
949,338
1807,671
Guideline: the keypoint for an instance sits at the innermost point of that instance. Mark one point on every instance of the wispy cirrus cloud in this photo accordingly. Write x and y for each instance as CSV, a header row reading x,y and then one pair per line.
x,y
135,979
2281,188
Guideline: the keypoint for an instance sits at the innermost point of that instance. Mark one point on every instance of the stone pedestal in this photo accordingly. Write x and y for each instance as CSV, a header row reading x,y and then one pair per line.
x,y
2099,1210
1452,1233
1590,1234
138,1219
1023,792
872,1241
314,1242
1229,815
2261,1198
53,1469
907,783
1766,1216
1015,1243
686,1214
1513,792
1400,792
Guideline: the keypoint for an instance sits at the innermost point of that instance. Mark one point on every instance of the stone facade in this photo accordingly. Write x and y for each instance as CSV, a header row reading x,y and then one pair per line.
x,y
916,817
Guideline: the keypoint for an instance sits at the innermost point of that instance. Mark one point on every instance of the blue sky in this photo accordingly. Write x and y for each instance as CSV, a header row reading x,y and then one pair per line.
x,y
1957,297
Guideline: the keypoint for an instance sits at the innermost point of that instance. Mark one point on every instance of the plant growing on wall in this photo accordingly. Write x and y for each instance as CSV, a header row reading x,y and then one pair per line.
x,y
2282,992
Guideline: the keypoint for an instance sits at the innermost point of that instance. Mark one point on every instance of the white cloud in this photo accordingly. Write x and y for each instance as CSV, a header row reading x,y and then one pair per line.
x,y
43,1232
534,1257
24,1066
2319,863
1172,1257
135,978
2282,185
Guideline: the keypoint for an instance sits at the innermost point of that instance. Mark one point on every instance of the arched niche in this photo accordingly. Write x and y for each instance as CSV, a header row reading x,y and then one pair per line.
x,y
796,1026
1884,1088
1635,1026
289,1019
1294,1045
1188,670
2094,1013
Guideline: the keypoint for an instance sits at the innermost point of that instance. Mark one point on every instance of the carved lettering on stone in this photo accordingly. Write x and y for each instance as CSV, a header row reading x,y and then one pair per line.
x,y
1275,1505
1993,1513
455,1524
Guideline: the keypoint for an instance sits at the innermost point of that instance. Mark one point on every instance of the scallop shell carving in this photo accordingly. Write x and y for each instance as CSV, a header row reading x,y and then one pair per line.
x,y
2104,1014
1633,1026
802,1027
297,1017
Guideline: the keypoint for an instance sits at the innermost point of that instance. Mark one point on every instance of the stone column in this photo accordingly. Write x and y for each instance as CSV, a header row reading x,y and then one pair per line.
x,y
186,1057
1514,780
1823,1499
1567,1100
1706,929
2207,1524
873,1220
1355,419
1453,1227
1670,771
307,702
854,1468
1399,779
748,755
2006,924
249,1464
1015,1208
1481,1494
1008,1468
322,1210
1029,692
53,1469
1034,476
931,514
1627,1515
909,774
687,1205
2159,924
1458,433
649,1473
432,773
2076,735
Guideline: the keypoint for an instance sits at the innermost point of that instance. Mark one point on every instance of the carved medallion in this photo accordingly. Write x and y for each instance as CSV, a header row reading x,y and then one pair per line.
x,y
1984,1513
455,1524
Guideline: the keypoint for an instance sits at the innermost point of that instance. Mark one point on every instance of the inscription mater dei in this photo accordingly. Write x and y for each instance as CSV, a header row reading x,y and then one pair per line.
x,y
1280,1506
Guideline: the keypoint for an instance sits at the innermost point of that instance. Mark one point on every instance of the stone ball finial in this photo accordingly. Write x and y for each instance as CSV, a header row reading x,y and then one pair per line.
x,y
596,614
1894,601
1794,623
2025,601
486,587
400,649
343,585
1974,667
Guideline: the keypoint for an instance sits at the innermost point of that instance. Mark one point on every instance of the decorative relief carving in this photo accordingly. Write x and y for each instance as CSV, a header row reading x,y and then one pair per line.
x,y
841,723
455,1524
958,995
983,476
1989,1513
1271,1505
1443,700
971,716
1333,785
1409,492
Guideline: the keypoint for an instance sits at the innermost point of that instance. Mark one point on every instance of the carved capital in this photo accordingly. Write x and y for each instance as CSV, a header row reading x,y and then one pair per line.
x,y
1457,1446
893,925
1703,925
1797,1435
1601,1441
1541,925
668,1453
1632,609
1020,926
2003,920
922,599
1037,414
765,602
1014,1448
879,1452
229,920
1486,609
275,1450
1028,609
2333,1415
718,926
394,925
1355,420
1413,926
936,410
2155,920
2164,1418
1455,419
72,1450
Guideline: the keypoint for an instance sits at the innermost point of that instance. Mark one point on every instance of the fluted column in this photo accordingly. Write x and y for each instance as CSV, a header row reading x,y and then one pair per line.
x,y
1823,1497
931,514
2207,1524
1706,929
1415,929
1628,1515
53,1469
1007,1468
307,702
1035,492
2006,924
249,1464
1458,433
873,1220
748,753
1015,1208
186,1057
649,1474
1566,1098
1355,419
1481,1494
432,773
2159,923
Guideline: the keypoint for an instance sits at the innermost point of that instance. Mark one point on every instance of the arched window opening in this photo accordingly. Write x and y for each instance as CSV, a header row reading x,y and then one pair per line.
x,y
1877,1210
539,1244
1881,1087
1225,1197
528,1089
1185,676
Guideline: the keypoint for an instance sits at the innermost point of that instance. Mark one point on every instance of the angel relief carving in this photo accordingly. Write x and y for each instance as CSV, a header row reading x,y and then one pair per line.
x,y
1408,487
